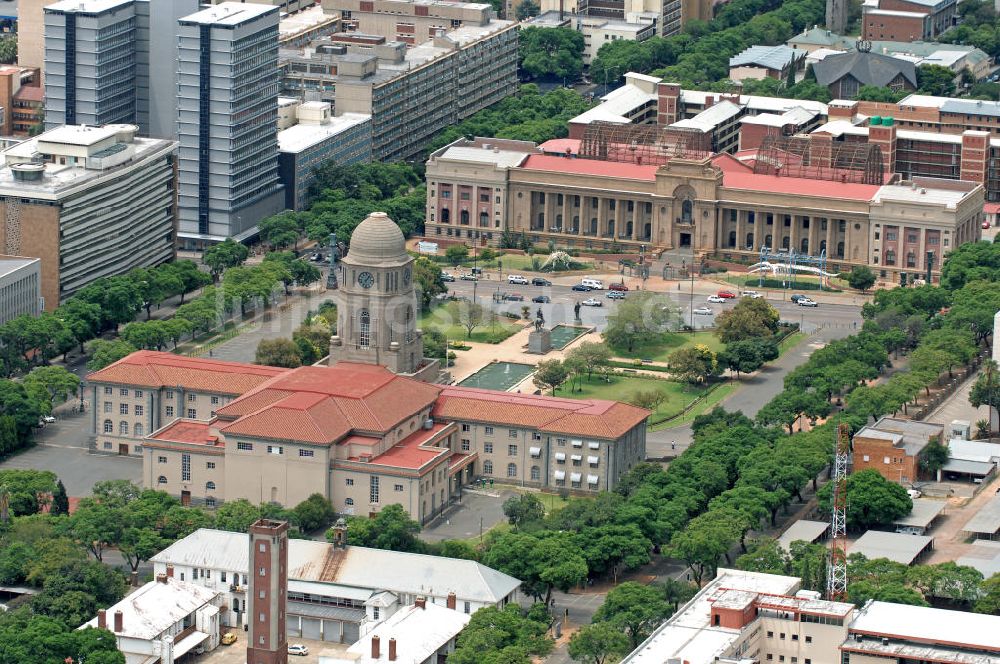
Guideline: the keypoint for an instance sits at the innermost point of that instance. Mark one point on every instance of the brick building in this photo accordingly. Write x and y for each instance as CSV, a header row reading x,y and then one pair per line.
x,y
894,448
907,20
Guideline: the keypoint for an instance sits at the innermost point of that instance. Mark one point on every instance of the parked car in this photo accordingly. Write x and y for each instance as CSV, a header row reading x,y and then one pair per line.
x,y
48,419
914,493
229,638
716,299
752,294
447,276
806,302
316,258
796,297
517,279
620,286
726,294
538,281
592,302
469,277
986,225
297,649
703,311
616,295
595,284
582,287
541,299
513,297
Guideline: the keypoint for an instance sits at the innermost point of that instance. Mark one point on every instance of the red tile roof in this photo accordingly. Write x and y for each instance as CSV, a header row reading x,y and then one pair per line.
x,y
561,146
409,453
191,432
611,169
593,418
147,368
323,404
738,175
991,208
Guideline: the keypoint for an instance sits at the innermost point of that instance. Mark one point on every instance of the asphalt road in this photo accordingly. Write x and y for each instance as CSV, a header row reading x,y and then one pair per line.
x,y
560,309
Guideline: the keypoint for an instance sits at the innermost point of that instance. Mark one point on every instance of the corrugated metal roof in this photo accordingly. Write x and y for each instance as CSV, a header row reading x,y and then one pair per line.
x,y
894,546
805,530
924,511
987,520
771,57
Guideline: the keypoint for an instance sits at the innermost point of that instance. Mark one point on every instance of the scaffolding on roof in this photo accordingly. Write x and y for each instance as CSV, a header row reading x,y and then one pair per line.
x,y
803,157
642,143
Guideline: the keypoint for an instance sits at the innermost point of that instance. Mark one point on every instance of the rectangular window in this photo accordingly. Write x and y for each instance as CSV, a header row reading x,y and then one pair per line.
x,y
885,460
561,442
795,637
192,414
185,468
489,431
536,436
138,394
466,428
809,639
373,489
170,411
512,450
770,635
161,459
123,392
170,394
306,453
246,447
375,612
210,465
192,397
397,487
138,410
468,607
123,409
349,481
466,445
275,449
108,406
215,401
108,391
223,573
488,448
512,433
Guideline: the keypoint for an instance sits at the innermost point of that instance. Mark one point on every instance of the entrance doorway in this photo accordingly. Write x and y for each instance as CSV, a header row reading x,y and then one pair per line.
x,y
186,498
123,449
685,240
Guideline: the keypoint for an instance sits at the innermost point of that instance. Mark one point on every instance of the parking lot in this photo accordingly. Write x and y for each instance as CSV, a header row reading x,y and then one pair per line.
x,y
237,652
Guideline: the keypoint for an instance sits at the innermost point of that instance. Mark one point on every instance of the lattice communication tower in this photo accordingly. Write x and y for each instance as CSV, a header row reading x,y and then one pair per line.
x,y
836,580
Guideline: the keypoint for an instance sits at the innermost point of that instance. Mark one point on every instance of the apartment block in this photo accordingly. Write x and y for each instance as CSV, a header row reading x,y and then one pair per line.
x,y
596,30
90,202
414,20
317,138
20,287
22,100
753,617
412,89
227,122
90,62
31,34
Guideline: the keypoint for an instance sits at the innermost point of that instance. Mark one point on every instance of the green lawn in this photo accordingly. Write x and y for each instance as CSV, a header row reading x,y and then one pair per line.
x,y
790,341
713,399
671,342
445,318
621,388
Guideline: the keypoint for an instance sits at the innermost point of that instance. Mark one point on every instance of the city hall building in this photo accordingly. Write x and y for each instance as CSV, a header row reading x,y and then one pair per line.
x,y
372,429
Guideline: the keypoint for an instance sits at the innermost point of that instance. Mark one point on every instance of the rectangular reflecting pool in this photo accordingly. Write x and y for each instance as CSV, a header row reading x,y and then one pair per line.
x,y
564,335
499,376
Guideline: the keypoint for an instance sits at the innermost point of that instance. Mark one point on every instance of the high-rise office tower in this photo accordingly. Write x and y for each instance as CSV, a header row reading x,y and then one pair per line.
x,y
156,64
267,593
227,89
90,63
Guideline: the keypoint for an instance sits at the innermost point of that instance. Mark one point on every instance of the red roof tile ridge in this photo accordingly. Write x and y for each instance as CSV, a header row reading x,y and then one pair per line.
x,y
539,400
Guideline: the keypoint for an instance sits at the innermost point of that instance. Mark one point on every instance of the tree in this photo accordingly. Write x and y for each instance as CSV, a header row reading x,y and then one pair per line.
x,y
986,390
224,255
8,50
55,383
428,281
872,500
595,644
634,609
876,93
138,545
643,319
934,457
103,353
743,356
541,563
861,278
503,636
989,600
523,508
278,353
470,315
706,539
749,319
550,374
60,502
280,231
456,253
96,526
935,80
650,399
526,10
236,515
693,364
551,52
392,528
81,318
591,355
766,556
313,513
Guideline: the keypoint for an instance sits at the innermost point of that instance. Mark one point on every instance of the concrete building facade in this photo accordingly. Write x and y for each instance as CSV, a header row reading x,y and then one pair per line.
x,y
907,20
227,122
20,287
89,202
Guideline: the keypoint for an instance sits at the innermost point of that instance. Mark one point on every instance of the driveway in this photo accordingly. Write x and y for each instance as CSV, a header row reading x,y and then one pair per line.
x,y
478,512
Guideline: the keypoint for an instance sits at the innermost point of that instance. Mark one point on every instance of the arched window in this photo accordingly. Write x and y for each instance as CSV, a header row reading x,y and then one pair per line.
x,y
749,240
365,334
784,243
445,216
822,246
840,250
687,211
484,219
137,430
628,229
348,501
593,225
647,232
409,323
511,470
209,486
767,240
536,473
464,217
487,468
161,479
109,426
123,428
732,239
804,245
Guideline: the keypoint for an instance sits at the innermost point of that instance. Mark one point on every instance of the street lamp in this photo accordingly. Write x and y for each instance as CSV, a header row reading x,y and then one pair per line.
x,y
691,306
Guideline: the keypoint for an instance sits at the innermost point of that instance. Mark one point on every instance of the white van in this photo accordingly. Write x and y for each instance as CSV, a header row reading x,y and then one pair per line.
x,y
595,284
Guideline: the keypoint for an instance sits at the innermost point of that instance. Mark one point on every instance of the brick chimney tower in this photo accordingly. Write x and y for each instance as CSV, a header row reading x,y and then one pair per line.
x,y
267,593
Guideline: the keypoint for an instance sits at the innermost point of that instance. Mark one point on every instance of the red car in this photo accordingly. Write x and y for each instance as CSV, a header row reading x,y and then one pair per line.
x,y
726,294
618,287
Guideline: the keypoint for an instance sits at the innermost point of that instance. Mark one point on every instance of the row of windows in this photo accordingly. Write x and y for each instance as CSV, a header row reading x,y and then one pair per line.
x,y
138,394
210,465
277,450
123,428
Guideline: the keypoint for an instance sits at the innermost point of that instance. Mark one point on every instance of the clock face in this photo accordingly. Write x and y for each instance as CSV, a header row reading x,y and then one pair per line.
x,y
406,277
366,280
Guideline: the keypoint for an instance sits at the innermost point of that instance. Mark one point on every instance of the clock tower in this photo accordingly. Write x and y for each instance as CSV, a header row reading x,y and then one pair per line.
x,y
377,303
